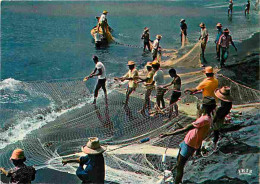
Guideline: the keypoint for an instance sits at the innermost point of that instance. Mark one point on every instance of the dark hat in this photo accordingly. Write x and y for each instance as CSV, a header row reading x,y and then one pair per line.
x,y
226,30
208,100
95,58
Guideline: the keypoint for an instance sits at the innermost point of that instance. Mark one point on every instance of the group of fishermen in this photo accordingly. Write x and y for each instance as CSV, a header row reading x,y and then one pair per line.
x,y
209,121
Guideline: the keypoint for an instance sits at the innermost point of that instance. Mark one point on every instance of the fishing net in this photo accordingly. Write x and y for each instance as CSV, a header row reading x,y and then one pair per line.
x,y
120,127
190,59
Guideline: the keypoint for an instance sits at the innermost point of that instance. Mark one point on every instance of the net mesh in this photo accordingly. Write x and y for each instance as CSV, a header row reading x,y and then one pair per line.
x,y
115,125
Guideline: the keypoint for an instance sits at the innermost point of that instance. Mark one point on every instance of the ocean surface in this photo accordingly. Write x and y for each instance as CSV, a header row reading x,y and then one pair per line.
x,y
43,41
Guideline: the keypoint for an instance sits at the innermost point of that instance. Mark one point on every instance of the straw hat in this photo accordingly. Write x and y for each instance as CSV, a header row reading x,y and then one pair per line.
x,y
17,154
93,147
223,94
182,20
130,63
155,63
158,36
105,12
219,25
146,29
149,64
202,25
226,30
209,69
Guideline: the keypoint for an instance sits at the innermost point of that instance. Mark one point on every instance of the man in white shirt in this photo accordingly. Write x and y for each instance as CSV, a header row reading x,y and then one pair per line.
x,y
203,39
101,83
156,44
158,81
103,22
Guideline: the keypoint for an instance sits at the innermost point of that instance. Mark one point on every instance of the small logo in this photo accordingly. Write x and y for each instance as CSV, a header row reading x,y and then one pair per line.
x,y
245,172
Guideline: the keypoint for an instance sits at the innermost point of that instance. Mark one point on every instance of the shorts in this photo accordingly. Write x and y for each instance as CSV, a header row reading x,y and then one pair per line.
x,y
175,96
185,150
160,91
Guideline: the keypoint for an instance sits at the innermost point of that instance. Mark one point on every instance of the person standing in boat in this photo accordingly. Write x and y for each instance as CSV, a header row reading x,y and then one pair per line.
x,y
156,44
101,83
103,22
146,38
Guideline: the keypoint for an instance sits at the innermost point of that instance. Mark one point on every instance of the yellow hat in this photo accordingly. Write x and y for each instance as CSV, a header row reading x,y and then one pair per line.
x,y
202,25
131,63
105,12
155,63
149,64
158,36
209,69
17,154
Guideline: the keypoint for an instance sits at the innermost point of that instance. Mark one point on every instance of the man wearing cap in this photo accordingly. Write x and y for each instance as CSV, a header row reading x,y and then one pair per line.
x,y
219,33
94,171
203,39
184,28
21,173
146,38
149,88
132,77
230,7
197,132
224,41
156,44
158,81
101,83
103,22
208,86
223,94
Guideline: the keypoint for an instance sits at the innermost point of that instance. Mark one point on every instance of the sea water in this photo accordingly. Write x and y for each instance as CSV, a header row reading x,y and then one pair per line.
x,y
51,40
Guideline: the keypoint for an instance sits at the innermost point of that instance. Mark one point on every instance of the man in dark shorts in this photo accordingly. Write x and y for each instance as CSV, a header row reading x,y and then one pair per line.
x,y
176,91
21,173
101,83
223,94
146,38
230,7
247,7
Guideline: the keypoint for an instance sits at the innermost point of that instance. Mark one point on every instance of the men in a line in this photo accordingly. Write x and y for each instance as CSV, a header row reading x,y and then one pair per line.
x,y
132,77
158,81
197,132
149,88
101,83
156,44
219,33
21,173
146,38
184,28
176,93
247,7
208,86
230,7
203,40
103,22
94,172
224,41
223,94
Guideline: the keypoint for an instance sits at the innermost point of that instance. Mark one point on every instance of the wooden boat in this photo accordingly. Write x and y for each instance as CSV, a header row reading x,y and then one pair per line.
x,y
99,37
